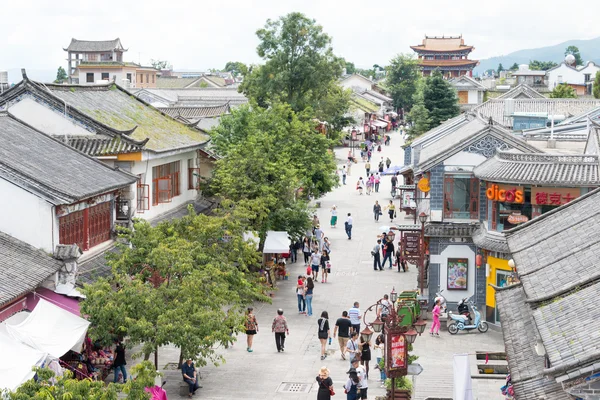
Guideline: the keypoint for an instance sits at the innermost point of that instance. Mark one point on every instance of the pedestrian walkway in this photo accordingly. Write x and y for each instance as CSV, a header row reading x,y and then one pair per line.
x,y
258,375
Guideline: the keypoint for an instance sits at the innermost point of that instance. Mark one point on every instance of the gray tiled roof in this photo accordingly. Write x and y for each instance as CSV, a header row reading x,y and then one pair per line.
x,y
500,111
22,268
67,252
30,159
94,45
463,136
174,83
493,241
102,145
541,169
195,96
94,268
557,255
196,112
522,91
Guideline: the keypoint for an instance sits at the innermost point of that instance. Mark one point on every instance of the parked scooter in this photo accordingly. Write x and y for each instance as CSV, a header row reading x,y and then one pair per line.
x,y
461,322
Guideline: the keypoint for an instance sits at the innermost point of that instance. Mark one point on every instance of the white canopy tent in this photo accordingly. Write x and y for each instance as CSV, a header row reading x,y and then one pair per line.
x,y
277,242
16,362
50,329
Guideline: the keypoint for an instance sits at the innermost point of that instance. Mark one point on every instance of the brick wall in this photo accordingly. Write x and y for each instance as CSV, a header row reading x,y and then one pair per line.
x,y
434,282
480,289
482,202
436,183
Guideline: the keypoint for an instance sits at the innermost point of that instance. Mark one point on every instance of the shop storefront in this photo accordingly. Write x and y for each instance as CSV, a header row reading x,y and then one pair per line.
x,y
498,273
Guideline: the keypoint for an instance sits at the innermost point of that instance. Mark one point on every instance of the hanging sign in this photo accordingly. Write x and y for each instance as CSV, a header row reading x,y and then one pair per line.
x,y
424,185
517,218
505,193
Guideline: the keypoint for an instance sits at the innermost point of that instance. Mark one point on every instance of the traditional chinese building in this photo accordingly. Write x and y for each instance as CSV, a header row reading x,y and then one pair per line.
x,y
450,55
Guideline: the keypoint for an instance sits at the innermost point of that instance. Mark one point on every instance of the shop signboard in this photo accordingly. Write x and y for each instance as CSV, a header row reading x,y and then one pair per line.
x,y
505,193
411,243
407,199
396,357
549,196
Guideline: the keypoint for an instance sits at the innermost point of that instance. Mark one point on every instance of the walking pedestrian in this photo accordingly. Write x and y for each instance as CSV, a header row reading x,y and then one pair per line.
x,y
325,385
315,263
388,253
385,308
251,328
294,250
319,235
351,386
377,182
348,226
349,165
120,361
391,210
365,354
308,295
324,261
344,174
334,214
324,332
368,167
355,317
394,184
375,252
280,328
360,185
435,327
352,347
343,324
369,185
388,162
363,381
369,154
300,290
376,210
306,250
327,245
380,347
190,376
381,164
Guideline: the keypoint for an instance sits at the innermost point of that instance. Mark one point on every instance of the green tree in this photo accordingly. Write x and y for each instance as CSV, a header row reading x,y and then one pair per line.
x,y
333,108
299,63
159,64
350,68
419,119
183,282
574,50
236,68
500,69
401,80
439,97
596,86
563,91
66,387
514,67
61,75
536,65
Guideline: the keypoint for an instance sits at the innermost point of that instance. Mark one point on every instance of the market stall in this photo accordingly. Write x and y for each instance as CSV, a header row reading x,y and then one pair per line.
x,y
277,246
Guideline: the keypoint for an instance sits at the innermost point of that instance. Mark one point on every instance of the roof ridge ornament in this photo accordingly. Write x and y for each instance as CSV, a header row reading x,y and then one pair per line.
x,y
24,73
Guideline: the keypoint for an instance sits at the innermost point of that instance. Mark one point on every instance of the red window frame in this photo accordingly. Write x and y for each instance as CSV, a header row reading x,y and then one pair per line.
x,y
143,197
164,189
71,229
160,174
473,205
100,217
87,228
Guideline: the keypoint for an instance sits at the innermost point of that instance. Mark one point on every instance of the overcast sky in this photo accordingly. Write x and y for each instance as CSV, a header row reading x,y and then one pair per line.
x,y
201,35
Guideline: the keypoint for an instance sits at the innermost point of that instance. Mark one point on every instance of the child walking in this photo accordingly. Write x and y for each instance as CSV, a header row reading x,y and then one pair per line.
x,y
435,327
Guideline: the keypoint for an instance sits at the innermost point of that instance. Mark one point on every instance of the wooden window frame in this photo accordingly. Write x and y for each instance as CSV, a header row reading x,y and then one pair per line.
x,y
87,77
141,78
165,195
473,200
143,197
194,178
160,173
107,76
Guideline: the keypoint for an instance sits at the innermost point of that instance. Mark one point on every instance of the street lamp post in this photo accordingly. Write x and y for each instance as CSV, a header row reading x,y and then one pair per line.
x,y
400,329
422,219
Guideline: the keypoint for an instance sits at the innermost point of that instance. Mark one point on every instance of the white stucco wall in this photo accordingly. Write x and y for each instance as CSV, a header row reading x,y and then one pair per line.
x,y
464,158
27,217
473,97
118,73
45,119
569,75
144,168
456,251
356,82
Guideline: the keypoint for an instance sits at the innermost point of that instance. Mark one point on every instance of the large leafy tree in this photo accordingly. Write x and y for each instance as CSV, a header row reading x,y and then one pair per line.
x,y
419,119
514,67
159,64
536,65
439,98
596,86
563,91
350,67
574,50
500,69
236,68
183,282
401,80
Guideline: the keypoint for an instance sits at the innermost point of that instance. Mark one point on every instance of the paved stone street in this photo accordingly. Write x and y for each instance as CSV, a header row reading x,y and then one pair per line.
x,y
258,375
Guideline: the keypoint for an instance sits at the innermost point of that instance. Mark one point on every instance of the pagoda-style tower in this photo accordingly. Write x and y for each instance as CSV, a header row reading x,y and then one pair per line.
x,y
448,54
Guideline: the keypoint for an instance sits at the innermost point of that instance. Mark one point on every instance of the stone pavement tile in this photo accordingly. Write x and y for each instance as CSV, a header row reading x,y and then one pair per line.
x,y
257,375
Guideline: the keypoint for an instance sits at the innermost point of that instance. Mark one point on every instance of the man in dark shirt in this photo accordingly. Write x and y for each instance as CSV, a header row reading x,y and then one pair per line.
x,y
188,370
389,253
343,324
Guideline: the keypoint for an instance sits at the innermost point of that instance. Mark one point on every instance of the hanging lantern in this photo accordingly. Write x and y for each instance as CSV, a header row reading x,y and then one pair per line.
x,y
479,260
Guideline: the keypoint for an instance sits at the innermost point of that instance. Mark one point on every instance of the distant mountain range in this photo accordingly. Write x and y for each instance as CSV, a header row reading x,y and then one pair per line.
x,y
589,49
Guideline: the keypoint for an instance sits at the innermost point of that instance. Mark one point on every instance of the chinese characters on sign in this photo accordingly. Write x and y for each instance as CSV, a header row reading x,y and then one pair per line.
x,y
411,244
552,196
398,351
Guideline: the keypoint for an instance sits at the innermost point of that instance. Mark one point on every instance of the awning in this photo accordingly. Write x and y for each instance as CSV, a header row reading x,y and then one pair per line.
x,y
379,124
65,302
277,242
16,362
50,329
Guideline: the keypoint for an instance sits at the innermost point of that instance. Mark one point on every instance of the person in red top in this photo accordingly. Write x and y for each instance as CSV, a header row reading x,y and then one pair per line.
x,y
435,327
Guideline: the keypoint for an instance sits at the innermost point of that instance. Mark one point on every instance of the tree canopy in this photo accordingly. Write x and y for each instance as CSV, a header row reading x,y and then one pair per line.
x,y
350,67
574,51
236,68
536,65
596,86
500,69
514,67
159,64
61,75
563,91
401,80
183,282
439,97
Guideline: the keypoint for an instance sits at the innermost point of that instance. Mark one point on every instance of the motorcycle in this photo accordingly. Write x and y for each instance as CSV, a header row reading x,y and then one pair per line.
x,y
463,322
